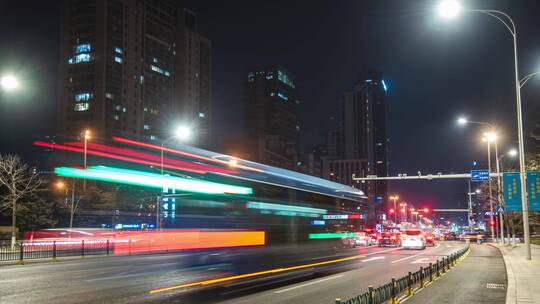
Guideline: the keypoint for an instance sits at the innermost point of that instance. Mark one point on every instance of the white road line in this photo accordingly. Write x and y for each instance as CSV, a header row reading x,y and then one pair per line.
x,y
420,261
374,258
372,253
310,283
412,256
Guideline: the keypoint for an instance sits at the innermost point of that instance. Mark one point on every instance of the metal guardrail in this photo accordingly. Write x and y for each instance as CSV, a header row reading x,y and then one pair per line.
x,y
54,249
407,284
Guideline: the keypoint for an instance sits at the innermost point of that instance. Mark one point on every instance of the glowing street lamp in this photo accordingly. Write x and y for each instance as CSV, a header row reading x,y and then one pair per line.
x,y
183,133
394,198
449,9
512,153
9,83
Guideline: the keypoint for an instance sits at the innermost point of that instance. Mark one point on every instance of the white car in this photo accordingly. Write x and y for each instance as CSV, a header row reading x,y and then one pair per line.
x,y
413,239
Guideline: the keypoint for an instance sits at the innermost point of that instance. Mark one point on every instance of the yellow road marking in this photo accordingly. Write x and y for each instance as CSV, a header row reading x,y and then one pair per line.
x,y
254,274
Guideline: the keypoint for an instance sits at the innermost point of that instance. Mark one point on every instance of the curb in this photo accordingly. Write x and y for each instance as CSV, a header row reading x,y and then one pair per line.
x,y
416,290
511,290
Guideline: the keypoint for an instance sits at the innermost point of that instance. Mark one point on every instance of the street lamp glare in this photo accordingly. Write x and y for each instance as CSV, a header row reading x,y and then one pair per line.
x,y
462,121
9,82
449,9
478,191
513,153
489,136
183,133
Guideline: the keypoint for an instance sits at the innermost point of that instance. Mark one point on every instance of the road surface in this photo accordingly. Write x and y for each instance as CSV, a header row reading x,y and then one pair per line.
x,y
139,279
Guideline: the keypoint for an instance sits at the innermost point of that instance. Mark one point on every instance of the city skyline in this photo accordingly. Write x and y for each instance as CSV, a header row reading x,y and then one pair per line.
x,y
407,109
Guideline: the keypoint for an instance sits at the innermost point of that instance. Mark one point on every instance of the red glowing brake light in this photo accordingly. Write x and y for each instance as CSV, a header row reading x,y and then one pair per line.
x,y
393,237
429,238
379,237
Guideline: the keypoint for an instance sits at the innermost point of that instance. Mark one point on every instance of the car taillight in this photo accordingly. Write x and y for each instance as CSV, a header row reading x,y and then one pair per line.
x,y
393,237
379,237
429,238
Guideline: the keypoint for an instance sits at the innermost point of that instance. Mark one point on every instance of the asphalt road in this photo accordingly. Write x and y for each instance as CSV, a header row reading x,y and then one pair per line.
x,y
130,279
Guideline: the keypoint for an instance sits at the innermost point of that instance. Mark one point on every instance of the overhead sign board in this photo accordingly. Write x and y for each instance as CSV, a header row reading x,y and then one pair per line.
x,y
479,175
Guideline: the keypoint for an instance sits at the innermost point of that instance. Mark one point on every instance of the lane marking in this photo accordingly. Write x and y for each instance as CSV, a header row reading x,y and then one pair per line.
x,y
412,256
374,258
310,283
254,274
421,261
387,250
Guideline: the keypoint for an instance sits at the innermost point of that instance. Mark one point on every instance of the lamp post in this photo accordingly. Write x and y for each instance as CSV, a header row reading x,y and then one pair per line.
x,y
489,137
395,198
450,9
182,133
86,136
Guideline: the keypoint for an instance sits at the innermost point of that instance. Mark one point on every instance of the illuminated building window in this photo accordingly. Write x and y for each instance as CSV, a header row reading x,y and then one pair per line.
x,y
160,70
116,117
269,76
141,79
117,59
154,60
109,95
283,77
81,58
153,137
83,48
124,110
146,127
272,94
83,96
201,115
118,108
83,106
118,50
282,96
251,77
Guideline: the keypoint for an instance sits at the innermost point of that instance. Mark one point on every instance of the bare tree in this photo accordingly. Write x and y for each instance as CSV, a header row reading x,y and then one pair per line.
x,y
17,181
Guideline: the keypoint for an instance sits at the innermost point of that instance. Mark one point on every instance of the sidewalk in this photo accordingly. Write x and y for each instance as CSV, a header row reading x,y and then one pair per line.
x,y
479,278
523,276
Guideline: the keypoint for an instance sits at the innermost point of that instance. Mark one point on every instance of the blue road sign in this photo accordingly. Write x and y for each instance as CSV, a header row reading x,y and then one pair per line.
x,y
479,175
512,193
378,227
533,190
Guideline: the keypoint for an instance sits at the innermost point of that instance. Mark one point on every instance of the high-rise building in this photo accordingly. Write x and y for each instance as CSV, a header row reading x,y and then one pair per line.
x,y
134,67
271,117
364,149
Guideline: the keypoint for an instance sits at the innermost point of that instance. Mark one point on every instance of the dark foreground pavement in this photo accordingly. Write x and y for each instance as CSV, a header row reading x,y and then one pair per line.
x,y
479,278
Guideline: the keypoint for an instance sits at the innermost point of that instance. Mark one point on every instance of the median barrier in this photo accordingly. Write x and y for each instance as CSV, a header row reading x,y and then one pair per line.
x,y
399,289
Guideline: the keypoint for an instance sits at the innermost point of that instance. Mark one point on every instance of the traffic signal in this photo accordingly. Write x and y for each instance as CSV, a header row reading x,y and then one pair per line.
x,y
426,210
402,210
492,223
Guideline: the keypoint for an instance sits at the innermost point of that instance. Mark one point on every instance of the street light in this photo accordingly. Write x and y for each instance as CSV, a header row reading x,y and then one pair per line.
x,y
488,137
183,133
9,82
450,9
87,135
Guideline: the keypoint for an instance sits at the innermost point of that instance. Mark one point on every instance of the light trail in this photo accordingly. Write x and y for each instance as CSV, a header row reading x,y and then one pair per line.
x,y
255,274
183,153
141,178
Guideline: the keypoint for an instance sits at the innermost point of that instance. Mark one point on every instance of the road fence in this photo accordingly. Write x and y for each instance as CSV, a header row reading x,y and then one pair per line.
x,y
54,249
406,286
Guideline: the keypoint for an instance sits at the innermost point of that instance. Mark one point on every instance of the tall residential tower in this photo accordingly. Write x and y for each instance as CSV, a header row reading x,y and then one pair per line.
x,y
133,67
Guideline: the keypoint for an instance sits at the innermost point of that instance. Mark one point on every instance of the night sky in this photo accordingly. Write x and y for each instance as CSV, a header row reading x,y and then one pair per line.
x,y
436,70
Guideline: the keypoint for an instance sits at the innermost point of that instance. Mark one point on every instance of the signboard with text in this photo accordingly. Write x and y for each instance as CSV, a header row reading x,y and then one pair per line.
x,y
533,190
512,191
479,175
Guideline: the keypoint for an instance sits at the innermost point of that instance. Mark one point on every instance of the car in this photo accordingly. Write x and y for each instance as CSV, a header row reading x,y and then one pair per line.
x,y
430,239
359,239
389,239
475,236
413,239
450,236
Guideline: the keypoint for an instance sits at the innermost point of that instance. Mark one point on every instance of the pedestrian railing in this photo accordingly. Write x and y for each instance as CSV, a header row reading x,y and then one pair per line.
x,y
21,251
407,285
